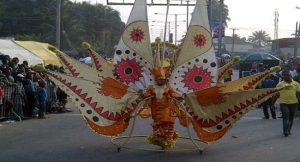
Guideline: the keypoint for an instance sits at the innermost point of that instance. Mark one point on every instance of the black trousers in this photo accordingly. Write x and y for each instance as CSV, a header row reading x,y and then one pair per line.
x,y
31,101
42,109
288,114
269,104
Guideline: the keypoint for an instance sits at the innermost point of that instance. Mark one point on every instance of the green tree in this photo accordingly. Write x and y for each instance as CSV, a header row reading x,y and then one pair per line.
x,y
216,11
26,17
259,38
36,20
98,24
238,39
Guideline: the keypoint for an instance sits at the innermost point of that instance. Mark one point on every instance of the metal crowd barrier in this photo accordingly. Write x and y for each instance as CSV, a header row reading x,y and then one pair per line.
x,y
2,112
6,112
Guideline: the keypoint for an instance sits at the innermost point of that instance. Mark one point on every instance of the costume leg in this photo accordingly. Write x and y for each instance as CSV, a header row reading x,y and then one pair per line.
x,y
164,133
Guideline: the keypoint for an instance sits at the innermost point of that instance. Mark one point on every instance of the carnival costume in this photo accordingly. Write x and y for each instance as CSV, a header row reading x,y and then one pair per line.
x,y
108,95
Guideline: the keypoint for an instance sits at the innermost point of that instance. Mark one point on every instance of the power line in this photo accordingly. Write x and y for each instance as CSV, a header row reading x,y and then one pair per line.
x,y
266,29
154,2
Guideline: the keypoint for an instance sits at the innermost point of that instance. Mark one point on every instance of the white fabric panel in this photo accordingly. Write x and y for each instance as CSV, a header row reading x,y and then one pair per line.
x,y
140,8
8,47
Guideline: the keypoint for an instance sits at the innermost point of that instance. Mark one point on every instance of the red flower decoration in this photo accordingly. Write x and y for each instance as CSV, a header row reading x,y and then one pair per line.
x,y
137,35
128,70
199,40
197,78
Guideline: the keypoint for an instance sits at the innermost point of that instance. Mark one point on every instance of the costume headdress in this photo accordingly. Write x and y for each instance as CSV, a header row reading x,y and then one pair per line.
x,y
158,71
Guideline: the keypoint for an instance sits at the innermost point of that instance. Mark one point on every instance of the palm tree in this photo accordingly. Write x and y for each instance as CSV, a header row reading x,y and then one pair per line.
x,y
216,12
259,38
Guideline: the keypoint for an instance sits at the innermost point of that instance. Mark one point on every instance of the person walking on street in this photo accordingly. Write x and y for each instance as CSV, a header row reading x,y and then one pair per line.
x,y
288,99
268,83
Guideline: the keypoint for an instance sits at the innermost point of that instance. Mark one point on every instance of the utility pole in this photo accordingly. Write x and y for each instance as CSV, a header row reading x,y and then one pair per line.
x,y
220,28
276,19
161,34
175,29
176,23
232,47
58,23
297,37
169,23
165,32
210,13
187,14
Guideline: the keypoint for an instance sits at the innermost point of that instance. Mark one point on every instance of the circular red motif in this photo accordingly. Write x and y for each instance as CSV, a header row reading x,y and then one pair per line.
x,y
137,35
197,78
128,70
199,40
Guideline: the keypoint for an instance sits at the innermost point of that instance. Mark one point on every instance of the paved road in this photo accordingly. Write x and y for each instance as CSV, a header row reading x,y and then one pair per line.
x,y
65,137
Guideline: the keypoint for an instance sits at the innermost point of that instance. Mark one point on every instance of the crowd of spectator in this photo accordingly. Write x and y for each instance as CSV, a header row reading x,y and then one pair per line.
x,y
25,93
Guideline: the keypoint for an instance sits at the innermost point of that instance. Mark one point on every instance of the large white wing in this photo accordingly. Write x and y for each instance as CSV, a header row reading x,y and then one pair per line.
x,y
133,58
196,66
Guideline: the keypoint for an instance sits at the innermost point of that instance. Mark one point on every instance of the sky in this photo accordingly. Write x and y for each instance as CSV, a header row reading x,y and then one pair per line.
x,y
246,16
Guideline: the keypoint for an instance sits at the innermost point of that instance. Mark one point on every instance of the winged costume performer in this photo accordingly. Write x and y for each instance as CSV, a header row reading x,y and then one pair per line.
x,y
107,95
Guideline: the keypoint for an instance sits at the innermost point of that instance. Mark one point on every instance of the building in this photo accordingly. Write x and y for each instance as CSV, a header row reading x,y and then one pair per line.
x,y
240,46
286,47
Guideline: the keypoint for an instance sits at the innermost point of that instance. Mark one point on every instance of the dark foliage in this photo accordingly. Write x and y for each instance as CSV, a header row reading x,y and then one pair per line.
x,y
36,20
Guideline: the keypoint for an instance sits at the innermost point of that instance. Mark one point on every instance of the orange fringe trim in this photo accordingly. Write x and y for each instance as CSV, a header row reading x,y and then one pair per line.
x,y
111,130
207,136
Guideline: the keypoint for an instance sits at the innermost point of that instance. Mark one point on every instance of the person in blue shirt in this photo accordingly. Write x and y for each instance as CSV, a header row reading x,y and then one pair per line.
x,y
30,91
268,83
42,97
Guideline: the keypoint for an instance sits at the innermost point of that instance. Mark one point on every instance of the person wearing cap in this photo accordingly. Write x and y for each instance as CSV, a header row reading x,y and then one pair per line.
x,y
20,76
288,99
18,96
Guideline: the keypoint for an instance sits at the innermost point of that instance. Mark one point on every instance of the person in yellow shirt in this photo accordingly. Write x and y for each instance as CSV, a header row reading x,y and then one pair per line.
x,y
288,99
